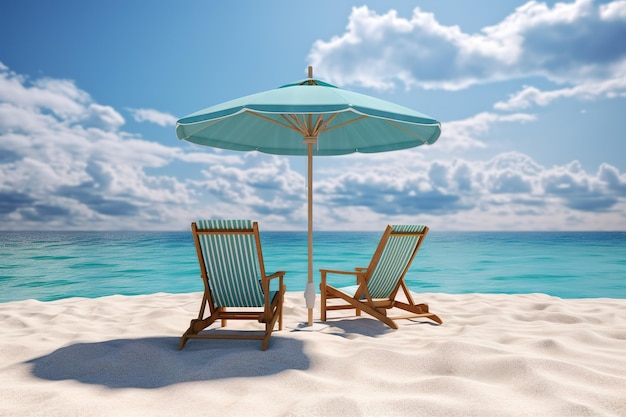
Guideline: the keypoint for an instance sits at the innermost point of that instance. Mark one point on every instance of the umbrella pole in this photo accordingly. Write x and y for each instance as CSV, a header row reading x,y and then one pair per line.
x,y
309,294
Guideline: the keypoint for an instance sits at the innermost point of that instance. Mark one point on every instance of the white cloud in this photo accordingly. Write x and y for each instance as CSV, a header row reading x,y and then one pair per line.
x,y
265,184
65,164
154,116
568,43
57,171
104,117
530,96
466,134
510,190
613,11
61,98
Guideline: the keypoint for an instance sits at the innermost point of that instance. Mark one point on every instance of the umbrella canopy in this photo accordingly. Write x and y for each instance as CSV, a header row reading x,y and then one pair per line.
x,y
309,117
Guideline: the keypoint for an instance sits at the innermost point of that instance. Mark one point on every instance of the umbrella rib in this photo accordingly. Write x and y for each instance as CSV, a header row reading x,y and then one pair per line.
x,y
342,124
296,122
269,119
190,134
323,127
320,124
305,123
406,131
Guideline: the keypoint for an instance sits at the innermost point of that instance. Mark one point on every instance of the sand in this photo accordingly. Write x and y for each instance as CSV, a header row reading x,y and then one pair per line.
x,y
495,355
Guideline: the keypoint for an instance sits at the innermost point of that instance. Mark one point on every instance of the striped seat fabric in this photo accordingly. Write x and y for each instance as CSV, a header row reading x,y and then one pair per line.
x,y
394,259
232,263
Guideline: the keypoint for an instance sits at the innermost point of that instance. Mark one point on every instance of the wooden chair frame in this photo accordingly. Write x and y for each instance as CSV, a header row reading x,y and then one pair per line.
x,y
361,300
271,312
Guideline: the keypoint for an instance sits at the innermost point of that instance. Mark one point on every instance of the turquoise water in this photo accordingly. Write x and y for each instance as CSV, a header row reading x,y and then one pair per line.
x,y
53,265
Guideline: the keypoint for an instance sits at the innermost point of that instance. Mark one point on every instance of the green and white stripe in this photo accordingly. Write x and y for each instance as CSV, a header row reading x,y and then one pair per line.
x,y
232,264
394,259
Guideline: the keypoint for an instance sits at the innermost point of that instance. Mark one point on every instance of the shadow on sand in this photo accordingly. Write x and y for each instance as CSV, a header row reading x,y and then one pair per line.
x,y
351,327
156,362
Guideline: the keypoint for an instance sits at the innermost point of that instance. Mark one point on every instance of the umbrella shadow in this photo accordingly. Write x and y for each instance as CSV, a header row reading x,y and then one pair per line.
x,y
156,362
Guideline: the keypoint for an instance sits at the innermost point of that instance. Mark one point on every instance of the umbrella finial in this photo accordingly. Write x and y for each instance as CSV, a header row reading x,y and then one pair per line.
x,y
310,71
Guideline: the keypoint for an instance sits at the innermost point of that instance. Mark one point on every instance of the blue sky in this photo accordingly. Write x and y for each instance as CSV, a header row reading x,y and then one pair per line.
x,y
531,96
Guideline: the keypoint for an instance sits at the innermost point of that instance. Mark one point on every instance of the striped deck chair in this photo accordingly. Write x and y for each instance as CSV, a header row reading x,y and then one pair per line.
x,y
235,283
377,285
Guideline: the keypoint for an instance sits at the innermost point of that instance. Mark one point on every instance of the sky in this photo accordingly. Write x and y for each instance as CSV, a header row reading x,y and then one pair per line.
x,y
531,97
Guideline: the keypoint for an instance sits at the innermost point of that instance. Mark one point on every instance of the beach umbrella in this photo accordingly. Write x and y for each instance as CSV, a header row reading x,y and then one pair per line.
x,y
309,117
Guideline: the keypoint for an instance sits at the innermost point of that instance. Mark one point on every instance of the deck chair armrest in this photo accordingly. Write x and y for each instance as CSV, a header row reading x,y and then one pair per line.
x,y
266,290
276,274
266,281
324,272
334,271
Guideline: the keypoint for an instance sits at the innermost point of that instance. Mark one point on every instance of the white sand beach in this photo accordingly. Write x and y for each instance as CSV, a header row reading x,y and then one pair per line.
x,y
495,355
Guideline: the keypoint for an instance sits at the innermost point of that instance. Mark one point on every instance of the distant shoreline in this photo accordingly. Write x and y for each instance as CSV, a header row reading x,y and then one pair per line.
x,y
56,265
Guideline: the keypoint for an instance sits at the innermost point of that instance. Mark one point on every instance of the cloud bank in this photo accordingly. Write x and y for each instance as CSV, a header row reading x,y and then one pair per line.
x,y
70,163
384,51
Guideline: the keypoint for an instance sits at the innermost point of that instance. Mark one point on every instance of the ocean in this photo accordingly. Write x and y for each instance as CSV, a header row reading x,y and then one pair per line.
x,y
54,265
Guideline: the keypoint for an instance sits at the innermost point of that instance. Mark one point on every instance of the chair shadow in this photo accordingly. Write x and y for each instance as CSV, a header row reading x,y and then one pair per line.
x,y
367,326
156,362
350,327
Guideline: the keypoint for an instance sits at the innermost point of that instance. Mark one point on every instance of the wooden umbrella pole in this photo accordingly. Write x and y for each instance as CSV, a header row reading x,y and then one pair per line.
x,y
310,139
310,215
309,294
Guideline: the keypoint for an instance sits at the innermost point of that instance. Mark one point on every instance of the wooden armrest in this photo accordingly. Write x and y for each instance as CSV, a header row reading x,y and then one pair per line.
x,y
357,274
276,275
334,271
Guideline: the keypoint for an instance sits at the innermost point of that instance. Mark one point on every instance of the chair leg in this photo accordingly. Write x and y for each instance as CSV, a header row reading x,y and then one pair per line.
x,y
269,325
361,306
322,302
323,297
277,309
280,306
380,316
419,310
196,326
183,340
266,341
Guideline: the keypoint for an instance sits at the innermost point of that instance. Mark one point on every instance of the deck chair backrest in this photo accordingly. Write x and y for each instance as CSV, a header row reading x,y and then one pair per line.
x,y
231,255
393,258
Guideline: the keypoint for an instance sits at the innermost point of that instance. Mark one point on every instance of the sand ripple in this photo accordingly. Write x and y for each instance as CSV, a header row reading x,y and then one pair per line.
x,y
495,355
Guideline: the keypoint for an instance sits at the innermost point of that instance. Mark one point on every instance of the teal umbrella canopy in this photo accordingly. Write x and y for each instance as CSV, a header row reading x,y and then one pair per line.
x,y
309,117
275,122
